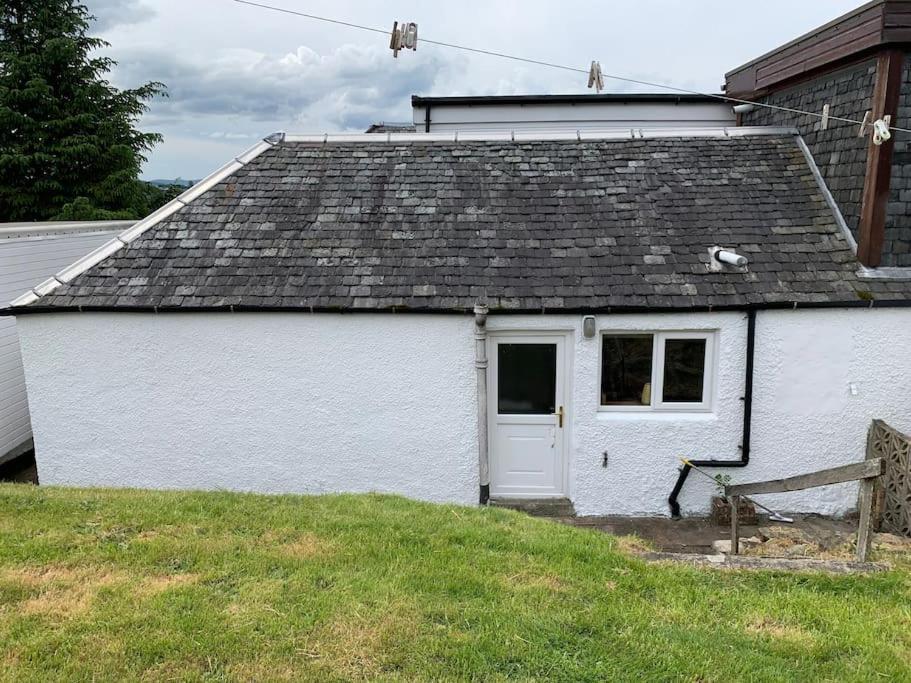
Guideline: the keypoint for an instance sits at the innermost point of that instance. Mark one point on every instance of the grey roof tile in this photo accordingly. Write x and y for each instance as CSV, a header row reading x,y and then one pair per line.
x,y
529,225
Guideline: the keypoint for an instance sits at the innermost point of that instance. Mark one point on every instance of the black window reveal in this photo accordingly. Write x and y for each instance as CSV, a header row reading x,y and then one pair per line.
x,y
526,379
684,370
626,369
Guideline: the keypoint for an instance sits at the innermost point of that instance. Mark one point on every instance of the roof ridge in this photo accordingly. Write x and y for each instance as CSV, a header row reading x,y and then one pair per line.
x,y
579,135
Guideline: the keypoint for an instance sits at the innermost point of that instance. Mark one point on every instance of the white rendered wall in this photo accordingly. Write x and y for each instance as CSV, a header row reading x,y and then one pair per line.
x,y
804,412
255,402
294,402
805,417
643,448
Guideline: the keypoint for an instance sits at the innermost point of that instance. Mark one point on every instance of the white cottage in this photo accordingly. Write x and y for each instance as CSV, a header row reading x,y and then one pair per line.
x,y
454,317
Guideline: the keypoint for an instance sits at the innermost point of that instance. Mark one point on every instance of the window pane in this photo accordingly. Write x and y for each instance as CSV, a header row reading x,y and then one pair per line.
x,y
526,379
684,370
626,370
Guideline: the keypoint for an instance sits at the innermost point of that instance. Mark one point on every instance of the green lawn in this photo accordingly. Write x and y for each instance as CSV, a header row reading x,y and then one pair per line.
x,y
114,585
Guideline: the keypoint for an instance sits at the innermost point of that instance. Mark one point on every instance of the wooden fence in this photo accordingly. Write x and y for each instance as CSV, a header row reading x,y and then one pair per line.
x,y
866,472
892,511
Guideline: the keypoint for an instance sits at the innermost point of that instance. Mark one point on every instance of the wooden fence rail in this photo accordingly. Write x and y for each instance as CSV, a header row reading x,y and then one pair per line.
x,y
866,472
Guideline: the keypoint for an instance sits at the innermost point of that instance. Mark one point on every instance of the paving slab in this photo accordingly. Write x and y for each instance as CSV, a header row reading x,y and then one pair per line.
x,y
766,563
698,534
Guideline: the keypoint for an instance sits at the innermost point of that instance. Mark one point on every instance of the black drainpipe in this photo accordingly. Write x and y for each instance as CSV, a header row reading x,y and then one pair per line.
x,y
427,117
747,421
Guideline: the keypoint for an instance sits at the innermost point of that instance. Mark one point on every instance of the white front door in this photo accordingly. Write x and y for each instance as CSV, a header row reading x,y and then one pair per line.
x,y
527,415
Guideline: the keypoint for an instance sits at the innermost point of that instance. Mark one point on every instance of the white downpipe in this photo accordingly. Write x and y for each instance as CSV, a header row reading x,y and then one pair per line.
x,y
480,364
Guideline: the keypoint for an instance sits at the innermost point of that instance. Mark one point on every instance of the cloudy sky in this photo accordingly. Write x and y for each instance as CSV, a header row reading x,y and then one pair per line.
x,y
236,73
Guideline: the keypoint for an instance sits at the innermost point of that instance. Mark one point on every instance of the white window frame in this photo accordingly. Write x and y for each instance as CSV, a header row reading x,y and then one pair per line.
x,y
659,341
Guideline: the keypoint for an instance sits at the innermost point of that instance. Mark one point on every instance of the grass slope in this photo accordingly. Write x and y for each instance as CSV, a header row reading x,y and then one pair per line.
x,y
114,585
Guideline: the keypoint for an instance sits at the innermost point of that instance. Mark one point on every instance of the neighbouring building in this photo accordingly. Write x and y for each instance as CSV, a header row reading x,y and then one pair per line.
x,y
856,64
455,316
506,113
28,252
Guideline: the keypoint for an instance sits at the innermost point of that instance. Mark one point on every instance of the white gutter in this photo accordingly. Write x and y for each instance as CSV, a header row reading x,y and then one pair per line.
x,y
136,229
885,273
47,228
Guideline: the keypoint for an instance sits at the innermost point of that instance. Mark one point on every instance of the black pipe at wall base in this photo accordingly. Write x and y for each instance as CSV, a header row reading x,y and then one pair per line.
x,y
747,423
485,494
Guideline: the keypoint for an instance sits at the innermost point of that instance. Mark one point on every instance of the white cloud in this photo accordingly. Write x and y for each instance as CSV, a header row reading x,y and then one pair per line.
x,y
300,86
243,94
111,13
238,70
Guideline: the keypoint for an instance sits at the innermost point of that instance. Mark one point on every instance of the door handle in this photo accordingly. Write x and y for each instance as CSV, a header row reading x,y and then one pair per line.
x,y
560,415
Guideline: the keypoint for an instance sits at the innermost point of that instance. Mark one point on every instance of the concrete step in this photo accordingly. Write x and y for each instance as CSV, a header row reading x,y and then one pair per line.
x,y
537,507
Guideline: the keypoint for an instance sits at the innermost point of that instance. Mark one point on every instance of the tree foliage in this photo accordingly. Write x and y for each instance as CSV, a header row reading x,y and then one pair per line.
x,y
69,146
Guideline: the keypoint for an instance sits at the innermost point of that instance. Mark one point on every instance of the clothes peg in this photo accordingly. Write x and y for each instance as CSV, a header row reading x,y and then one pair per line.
x,y
824,125
410,35
395,40
863,125
404,37
595,77
881,131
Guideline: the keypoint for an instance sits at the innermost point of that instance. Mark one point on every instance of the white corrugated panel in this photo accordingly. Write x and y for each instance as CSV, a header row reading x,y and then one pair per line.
x,y
25,262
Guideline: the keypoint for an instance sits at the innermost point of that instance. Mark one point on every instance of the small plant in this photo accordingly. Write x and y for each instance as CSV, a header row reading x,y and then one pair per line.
x,y
722,480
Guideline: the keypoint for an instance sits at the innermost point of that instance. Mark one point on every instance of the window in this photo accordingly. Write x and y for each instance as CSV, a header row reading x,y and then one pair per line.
x,y
526,379
656,371
626,369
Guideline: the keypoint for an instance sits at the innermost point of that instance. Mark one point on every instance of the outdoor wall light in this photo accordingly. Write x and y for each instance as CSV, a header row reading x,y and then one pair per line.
x,y
588,326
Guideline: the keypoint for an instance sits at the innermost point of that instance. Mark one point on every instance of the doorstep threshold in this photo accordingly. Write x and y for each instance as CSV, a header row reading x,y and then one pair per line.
x,y
553,506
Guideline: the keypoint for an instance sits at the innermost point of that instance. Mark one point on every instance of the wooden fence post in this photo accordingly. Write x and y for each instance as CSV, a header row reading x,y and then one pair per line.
x,y
735,531
865,503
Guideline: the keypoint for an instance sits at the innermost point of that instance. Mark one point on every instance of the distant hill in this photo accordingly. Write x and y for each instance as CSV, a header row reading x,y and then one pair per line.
x,y
166,182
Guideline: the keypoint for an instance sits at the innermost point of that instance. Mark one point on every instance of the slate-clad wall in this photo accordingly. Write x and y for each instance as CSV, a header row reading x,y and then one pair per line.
x,y
897,246
839,153
360,402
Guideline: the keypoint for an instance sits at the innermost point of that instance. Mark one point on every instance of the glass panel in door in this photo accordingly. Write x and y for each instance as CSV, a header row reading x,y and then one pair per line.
x,y
526,379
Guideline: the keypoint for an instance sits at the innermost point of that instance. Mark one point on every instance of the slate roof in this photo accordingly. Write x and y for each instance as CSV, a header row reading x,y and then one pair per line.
x,y
383,127
535,225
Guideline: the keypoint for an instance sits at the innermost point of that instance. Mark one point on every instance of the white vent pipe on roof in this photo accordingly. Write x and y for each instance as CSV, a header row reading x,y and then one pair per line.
x,y
731,258
744,108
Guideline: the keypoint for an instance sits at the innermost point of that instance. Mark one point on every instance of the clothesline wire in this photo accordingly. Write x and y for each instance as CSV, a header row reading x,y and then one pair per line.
x,y
552,65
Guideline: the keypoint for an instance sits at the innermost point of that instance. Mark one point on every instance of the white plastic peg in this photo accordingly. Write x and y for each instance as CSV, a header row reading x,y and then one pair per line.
x,y
880,132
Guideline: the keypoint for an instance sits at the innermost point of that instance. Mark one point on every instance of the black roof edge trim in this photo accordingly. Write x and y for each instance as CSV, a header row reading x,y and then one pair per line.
x,y
604,310
419,101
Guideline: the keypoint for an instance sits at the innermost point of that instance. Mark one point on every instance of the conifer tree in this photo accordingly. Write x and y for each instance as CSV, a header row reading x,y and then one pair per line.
x,y
69,146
